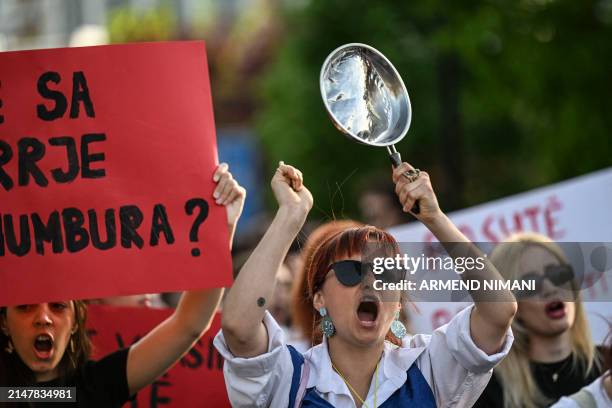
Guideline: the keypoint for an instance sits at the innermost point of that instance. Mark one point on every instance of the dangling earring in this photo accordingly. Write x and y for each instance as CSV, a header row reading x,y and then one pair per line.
x,y
9,347
327,326
397,328
72,344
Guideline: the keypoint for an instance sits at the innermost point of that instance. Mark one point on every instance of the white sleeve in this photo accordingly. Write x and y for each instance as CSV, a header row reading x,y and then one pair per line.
x,y
565,402
260,381
455,368
593,394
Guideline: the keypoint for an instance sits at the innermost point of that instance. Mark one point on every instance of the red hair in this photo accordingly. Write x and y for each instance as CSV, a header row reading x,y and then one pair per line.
x,y
302,310
334,244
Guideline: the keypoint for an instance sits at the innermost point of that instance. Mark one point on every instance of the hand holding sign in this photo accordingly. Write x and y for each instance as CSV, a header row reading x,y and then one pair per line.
x,y
229,194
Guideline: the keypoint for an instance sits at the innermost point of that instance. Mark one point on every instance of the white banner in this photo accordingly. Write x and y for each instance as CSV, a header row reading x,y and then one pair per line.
x,y
576,210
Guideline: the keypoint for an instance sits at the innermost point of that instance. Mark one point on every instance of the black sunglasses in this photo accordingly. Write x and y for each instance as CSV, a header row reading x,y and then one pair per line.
x,y
556,274
350,273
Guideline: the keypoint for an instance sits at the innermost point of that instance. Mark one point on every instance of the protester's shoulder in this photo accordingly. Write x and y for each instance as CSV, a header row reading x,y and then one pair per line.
x,y
566,402
113,362
103,382
599,393
276,341
108,371
592,395
315,355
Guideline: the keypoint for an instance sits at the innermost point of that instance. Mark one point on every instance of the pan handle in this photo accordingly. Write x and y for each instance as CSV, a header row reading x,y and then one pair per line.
x,y
396,160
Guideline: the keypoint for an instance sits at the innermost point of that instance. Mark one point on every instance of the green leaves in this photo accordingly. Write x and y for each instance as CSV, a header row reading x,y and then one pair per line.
x,y
518,92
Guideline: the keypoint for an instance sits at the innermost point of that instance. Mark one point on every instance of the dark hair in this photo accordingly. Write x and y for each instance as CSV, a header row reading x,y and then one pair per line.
x,y
15,372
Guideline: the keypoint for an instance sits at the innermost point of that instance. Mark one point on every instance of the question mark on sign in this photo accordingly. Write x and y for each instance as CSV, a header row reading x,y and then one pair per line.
x,y
190,206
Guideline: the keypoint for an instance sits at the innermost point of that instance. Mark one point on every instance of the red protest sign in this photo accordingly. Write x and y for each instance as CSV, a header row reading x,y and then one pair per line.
x,y
106,163
195,381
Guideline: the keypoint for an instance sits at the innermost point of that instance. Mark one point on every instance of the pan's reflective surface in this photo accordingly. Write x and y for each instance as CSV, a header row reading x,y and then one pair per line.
x,y
365,95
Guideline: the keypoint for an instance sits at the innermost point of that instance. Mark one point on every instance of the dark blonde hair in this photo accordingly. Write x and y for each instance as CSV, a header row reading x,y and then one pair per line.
x,y
514,372
15,372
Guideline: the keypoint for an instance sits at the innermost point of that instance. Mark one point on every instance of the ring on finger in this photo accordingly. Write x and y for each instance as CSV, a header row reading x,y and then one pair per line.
x,y
412,175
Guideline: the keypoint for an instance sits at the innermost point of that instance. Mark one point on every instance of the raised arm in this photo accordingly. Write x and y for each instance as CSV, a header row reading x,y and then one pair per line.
x,y
155,353
489,321
246,302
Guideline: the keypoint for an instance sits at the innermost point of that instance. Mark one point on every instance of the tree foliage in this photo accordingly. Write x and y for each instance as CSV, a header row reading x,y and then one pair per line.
x,y
507,95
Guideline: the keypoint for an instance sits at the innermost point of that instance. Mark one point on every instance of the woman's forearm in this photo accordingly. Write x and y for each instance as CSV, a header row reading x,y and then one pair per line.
x,y
246,302
164,345
497,309
491,319
444,229
196,308
458,245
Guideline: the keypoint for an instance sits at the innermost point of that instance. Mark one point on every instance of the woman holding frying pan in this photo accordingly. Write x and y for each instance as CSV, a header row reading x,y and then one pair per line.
x,y
47,345
363,359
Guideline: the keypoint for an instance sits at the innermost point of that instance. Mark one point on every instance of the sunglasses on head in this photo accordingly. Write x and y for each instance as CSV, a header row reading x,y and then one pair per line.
x,y
556,274
351,273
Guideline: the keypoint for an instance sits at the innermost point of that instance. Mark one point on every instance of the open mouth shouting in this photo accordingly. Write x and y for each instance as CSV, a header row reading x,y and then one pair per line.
x,y
368,310
555,309
43,346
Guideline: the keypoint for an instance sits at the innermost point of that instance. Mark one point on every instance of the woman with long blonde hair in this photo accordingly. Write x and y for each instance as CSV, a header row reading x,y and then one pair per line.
x,y
553,354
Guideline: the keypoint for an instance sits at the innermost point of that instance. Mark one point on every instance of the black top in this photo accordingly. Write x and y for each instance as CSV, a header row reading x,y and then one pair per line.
x,y
101,383
555,380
